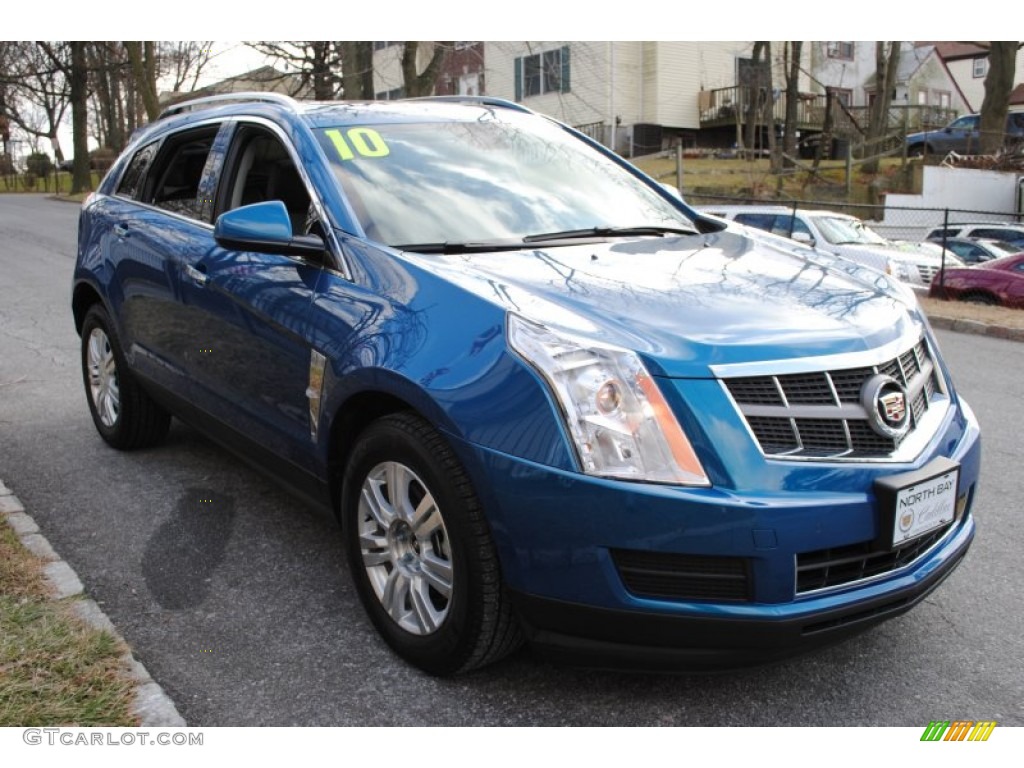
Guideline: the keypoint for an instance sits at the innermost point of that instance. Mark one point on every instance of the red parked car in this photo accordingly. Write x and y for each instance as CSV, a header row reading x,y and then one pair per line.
x,y
1000,281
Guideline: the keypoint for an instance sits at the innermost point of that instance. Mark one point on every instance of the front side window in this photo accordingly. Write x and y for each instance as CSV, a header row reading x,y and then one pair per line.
x,y
263,170
504,176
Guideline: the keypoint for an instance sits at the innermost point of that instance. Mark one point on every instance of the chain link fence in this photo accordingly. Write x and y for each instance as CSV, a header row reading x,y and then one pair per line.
x,y
891,222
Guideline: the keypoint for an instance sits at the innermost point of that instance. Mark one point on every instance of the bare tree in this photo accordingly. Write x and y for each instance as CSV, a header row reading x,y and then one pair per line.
x,y
754,85
142,57
356,69
1002,61
791,60
887,62
36,90
317,63
422,83
183,61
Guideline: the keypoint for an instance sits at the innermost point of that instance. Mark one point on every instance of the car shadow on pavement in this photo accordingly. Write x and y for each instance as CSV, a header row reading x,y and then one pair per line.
x,y
182,555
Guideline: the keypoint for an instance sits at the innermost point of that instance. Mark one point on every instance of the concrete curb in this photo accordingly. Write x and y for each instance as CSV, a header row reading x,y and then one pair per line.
x,y
152,705
976,327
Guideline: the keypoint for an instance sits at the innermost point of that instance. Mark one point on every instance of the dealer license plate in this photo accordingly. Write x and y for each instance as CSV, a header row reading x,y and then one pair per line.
x,y
924,506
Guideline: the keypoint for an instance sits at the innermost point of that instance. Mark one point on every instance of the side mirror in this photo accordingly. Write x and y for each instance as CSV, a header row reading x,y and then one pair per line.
x,y
803,237
265,228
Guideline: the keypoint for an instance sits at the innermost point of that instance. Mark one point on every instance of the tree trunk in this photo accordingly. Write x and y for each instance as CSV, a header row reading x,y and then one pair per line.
x,y
143,85
356,69
752,90
323,77
1002,61
792,103
887,61
81,178
422,84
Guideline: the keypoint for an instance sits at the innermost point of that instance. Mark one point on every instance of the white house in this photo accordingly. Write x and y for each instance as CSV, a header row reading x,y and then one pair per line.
x,y
638,90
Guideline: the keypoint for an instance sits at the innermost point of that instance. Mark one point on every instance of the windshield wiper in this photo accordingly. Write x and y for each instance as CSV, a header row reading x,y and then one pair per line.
x,y
574,234
470,247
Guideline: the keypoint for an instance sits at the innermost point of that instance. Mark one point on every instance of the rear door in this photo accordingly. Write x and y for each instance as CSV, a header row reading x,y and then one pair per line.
x,y
160,219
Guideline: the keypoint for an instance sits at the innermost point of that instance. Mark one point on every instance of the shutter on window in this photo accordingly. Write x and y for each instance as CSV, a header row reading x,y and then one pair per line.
x,y
565,69
519,78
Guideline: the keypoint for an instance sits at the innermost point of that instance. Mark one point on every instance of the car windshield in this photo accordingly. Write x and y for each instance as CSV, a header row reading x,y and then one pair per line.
x,y
841,231
496,179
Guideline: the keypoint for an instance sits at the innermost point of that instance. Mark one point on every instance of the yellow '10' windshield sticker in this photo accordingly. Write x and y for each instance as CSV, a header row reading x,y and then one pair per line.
x,y
365,142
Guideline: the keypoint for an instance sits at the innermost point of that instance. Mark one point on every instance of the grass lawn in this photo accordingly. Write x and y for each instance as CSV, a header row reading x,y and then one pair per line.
x,y
61,185
54,669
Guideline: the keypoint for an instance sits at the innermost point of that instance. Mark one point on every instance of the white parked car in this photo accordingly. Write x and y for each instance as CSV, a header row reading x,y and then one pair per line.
x,y
838,234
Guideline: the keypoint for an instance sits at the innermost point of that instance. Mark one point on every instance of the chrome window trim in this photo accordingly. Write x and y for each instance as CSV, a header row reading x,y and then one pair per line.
x,y
340,264
161,139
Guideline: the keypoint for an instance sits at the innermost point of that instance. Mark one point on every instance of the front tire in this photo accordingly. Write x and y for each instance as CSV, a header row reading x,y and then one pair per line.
x,y
420,552
124,415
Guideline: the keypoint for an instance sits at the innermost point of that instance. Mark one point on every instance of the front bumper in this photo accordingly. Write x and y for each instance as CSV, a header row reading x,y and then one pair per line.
x,y
558,534
572,633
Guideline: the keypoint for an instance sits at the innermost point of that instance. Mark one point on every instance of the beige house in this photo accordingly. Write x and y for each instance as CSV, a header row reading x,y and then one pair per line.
x,y
967,65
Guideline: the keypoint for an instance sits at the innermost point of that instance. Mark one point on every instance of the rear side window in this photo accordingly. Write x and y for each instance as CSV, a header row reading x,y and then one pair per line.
x,y
1009,235
131,181
763,221
177,172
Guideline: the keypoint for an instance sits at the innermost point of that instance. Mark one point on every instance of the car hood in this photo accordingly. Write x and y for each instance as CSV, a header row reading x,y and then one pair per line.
x,y
687,303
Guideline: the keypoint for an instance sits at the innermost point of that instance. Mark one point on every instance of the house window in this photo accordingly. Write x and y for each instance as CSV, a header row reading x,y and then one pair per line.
x,y
840,50
540,73
980,68
392,95
844,96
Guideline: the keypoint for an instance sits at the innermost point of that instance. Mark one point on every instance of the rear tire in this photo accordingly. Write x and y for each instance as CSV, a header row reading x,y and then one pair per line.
x,y
420,552
124,415
980,298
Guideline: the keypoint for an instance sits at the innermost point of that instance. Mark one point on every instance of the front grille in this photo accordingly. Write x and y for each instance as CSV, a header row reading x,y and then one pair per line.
x,y
826,568
684,577
819,415
927,273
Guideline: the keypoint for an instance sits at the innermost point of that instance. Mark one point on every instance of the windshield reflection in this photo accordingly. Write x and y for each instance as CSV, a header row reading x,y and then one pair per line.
x,y
839,231
485,180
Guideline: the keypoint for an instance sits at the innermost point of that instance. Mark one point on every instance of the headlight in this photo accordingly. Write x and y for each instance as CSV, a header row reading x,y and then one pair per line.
x,y
617,417
902,271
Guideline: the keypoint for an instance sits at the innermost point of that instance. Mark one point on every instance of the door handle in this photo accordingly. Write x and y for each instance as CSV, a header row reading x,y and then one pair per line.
x,y
197,275
121,230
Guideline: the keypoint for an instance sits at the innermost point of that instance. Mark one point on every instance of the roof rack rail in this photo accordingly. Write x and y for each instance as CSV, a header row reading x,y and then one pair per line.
x,y
485,101
265,96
